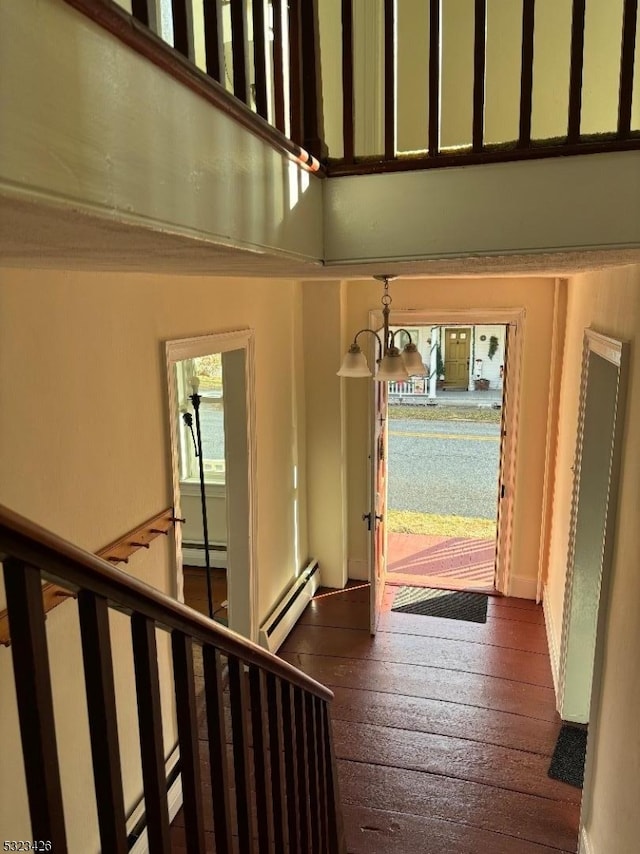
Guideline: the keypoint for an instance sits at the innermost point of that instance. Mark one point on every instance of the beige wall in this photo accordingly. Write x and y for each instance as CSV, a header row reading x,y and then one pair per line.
x,y
324,345
98,125
84,451
610,303
536,297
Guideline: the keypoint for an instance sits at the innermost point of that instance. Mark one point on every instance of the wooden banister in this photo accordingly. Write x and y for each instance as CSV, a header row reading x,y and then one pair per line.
x,y
276,749
75,568
134,31
296,41
119,551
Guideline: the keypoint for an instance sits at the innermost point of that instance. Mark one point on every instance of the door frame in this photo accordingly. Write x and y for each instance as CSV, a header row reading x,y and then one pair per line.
x,y
616,353
514,318
242,585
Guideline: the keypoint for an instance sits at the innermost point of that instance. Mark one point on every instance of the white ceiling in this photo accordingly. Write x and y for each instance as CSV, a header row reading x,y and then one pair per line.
x,y
37,236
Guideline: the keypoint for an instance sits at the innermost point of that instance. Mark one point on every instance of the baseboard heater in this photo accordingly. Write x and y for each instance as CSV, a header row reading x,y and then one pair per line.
x,y
289,609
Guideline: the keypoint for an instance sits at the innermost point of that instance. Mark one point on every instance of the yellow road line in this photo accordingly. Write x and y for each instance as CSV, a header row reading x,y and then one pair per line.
x,y
444,436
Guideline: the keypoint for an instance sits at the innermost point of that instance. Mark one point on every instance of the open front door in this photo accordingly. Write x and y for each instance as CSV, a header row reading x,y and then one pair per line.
x,y
377,516
505,478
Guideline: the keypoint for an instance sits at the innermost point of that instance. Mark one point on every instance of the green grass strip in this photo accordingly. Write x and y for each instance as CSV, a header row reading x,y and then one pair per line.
x,y
413,522
446,413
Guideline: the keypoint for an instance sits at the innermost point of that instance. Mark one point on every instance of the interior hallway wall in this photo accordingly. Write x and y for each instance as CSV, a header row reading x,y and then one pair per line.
x,y
84,451
609,302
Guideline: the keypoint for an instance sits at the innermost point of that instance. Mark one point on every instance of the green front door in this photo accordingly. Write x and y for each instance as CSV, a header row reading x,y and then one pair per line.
x,y
457,350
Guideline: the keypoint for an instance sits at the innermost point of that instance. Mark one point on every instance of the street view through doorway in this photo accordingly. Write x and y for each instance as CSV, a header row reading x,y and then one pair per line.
x,y
444,461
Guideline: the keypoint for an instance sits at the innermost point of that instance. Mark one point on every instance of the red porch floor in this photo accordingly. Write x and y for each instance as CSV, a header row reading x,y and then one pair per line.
x,y
423,560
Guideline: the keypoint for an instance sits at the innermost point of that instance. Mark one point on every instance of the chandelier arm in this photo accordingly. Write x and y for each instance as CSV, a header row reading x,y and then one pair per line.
x,y
395,332
373,332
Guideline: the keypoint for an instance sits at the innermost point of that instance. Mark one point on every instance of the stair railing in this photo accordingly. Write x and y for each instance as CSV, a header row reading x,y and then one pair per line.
x,y
278,750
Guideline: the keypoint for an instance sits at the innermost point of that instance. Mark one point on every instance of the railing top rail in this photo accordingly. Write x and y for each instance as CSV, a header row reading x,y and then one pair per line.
x,y
74,568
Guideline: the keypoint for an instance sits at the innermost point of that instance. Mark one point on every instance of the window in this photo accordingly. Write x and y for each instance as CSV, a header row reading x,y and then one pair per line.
x,y
208,369
402,339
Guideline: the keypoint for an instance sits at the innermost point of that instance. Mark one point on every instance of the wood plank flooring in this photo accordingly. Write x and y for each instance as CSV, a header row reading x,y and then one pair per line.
x,y
195,590
443,729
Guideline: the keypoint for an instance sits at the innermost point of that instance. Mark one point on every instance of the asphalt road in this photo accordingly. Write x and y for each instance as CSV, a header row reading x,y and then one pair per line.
x,y
444,467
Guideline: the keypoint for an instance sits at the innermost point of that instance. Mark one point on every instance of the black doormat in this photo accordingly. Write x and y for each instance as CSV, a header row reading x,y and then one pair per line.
x,y
453,605
567,763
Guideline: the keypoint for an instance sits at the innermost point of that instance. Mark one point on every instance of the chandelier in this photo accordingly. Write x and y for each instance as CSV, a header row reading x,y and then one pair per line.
x,y
392,364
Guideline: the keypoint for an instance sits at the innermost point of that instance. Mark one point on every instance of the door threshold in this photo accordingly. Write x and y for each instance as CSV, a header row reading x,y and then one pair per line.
x,y
439,582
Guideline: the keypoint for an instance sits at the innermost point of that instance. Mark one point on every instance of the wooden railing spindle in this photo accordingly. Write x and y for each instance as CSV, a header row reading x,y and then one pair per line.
x,y
312,770
35,701
336,833
262,779
140,11
237,697
347,82
278,66
239,48
278,791
289,745
479,73
302,762
322,770
145,659
576,69
260,58
313,119
526,73
187,717
93,613
434,78
389,79
627,61
182,11
295,72
216,731
213,43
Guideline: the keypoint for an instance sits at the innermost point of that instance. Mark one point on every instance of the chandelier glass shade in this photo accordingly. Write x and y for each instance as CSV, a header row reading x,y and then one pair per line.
x,y
392,364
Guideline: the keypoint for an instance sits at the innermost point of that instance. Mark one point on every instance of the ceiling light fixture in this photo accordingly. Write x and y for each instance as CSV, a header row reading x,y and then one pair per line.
x,y
393,365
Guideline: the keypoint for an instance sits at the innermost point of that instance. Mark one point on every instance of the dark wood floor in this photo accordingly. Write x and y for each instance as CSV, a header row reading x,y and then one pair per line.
x,y
195,590
443,729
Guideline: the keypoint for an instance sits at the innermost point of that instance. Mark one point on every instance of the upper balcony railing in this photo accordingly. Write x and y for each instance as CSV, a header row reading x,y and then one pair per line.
x,y
381,85
453,82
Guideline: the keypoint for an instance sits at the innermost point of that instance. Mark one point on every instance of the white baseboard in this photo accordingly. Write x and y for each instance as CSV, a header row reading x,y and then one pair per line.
x,y
358,569
523,588
174,798
585,843
552,643
195,557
